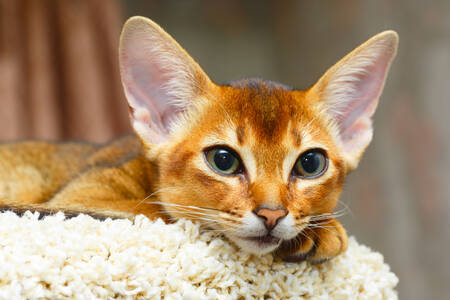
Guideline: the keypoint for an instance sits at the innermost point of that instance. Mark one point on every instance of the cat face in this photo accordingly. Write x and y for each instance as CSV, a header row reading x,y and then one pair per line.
x,y
256,160
250,154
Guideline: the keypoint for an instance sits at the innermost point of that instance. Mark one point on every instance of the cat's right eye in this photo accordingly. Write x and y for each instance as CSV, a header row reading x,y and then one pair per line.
x,y
223,160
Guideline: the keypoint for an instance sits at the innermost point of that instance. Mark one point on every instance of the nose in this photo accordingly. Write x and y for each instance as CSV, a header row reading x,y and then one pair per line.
x,y
270,216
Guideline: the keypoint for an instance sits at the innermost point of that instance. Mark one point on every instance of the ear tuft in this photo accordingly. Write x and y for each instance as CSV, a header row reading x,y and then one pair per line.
x,y
160,79
349,91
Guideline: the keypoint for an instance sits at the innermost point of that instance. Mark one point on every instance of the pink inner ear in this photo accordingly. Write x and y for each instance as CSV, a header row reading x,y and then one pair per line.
x,y
358,135
145,86
153,74
361,108
364,89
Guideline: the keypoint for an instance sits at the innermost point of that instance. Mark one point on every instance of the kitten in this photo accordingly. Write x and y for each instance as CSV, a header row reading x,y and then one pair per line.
x,y
261,162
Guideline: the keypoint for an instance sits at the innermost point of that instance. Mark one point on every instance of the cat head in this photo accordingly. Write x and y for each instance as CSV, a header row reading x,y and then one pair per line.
x,y
254,159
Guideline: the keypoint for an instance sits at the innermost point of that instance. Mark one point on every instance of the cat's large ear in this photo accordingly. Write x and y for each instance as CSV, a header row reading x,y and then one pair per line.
x,y
349,92
160,79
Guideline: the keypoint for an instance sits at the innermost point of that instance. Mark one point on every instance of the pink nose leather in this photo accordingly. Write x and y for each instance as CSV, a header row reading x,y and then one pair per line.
x,y
271,216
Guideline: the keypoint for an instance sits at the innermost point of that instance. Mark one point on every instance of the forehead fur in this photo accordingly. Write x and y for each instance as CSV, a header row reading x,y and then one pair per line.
x,y
258,83
267,107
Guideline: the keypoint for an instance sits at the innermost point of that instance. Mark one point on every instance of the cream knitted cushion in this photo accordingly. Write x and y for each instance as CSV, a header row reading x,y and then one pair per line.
x,y
84,258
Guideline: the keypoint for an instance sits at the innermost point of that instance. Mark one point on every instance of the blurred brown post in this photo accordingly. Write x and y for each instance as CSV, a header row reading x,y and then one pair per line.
x,y
59,76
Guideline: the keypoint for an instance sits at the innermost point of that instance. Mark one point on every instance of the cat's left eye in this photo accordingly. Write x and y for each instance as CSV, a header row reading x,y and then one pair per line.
x,y
223,160
311,164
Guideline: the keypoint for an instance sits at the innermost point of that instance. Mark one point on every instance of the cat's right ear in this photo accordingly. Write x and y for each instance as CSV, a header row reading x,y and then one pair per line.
x,y
348,92
159,78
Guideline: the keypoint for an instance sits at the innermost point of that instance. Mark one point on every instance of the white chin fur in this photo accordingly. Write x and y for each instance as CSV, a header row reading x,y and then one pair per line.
x,y
253,246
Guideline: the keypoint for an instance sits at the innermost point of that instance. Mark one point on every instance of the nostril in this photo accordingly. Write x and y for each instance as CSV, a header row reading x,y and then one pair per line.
x,y
271,216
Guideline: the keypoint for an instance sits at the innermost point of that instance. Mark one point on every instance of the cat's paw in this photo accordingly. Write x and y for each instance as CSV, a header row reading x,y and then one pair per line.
x,y
315,245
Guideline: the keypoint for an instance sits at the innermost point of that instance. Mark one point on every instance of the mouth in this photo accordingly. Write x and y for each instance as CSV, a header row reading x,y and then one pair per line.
x,y
267,240
258,244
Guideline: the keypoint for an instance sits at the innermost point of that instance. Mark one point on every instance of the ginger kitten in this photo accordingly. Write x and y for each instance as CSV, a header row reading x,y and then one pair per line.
x,y
261,162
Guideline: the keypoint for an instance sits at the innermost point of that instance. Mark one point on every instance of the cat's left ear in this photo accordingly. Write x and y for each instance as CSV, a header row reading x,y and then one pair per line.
x,y
349,92
160,79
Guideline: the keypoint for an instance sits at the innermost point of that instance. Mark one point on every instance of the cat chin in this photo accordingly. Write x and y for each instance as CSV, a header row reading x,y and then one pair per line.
x,y
256,246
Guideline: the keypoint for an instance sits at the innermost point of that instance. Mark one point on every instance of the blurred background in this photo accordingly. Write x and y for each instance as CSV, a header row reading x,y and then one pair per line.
x,y
59,80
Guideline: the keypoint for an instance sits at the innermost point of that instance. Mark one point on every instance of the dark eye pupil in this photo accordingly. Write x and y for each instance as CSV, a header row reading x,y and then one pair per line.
x,y
223,159
310,162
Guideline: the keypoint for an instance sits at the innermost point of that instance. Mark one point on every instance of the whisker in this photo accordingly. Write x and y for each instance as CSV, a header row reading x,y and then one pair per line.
x,y
186,206
318,222
204,218
346,208
187,214
303,234
196,213
192,211
181,209
336,214
319,226
152,194
324,228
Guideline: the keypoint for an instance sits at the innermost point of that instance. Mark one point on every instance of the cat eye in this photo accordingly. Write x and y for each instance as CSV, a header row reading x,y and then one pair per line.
x,y
311,164
223,160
